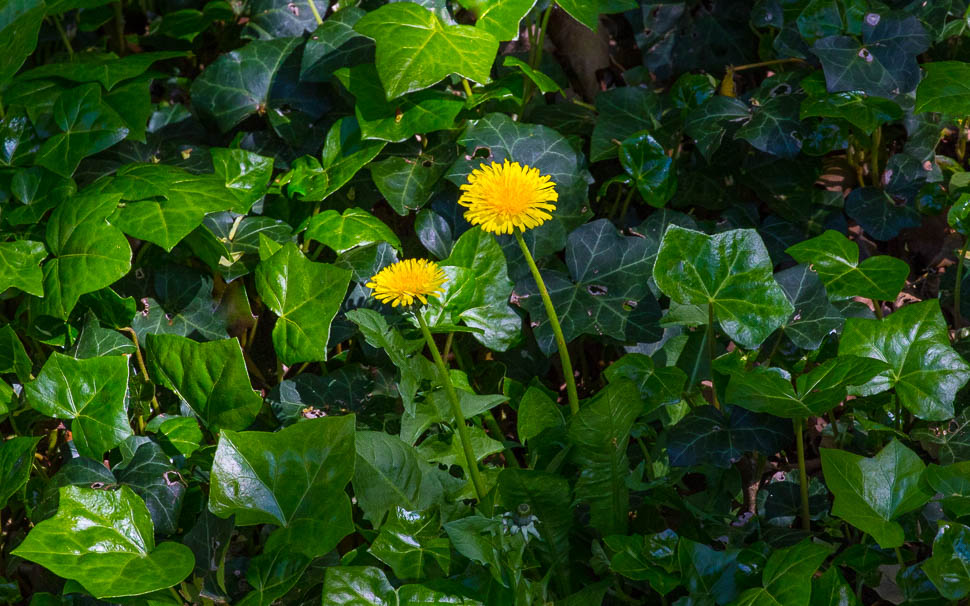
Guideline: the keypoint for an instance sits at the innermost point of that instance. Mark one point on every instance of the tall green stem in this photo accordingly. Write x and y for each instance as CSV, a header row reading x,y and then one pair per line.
x,y
460,424
535,58
710,352
316,13
957,316
60,30
567,365
802,474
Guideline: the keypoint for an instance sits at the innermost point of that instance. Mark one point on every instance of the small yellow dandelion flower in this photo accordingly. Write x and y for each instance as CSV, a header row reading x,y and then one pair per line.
x,y
502,197
401,283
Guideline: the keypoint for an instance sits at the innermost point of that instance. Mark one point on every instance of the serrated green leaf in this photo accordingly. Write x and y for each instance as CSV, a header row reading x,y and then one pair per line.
x,y
416,50
294,478
211,377
92,393
104,540
925,370
731,272
870,493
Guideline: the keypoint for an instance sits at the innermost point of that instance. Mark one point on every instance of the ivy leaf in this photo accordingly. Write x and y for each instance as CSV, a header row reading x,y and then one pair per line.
x,y
830,589
164,203
211,377
410,544
105,68
387,474
500,18
416,113
623,111
587,13
815,317
646,558
925,370
229,243
883,65
13,356
708,435
836,260
270,19
709,122
294,478
787,578
87,125
21,23
416,50
20,266
335,44
870,493
878,214
237,84
775,127
104,540
305,296
731,273
600,433
354,227
16,459
92,393
949,566
246,174
945,88
607,284
658,385
651,169
858,109
151,475
368,585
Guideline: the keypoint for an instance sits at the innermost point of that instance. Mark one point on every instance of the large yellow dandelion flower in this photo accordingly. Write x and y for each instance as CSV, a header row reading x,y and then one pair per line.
x,y
401,283
502,197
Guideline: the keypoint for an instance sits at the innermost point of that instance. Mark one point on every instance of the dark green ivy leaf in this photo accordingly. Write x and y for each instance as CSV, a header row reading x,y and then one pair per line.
x,y
707,435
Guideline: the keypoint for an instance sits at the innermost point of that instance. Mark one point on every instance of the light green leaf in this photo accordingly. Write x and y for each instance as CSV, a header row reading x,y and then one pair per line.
x,y
20,266
787,578
354,227
836,260
294,478
211,377
731,272
92,393
870,493
945,88
925,370
416,50
20,22
104,540
499,17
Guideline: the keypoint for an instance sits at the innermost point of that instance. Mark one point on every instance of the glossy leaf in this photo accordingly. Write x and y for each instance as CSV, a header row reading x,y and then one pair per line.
x,y
293,478
305,296
787,578
416,50
836,260
354,227
707,435
944,88
949,566
731,272
814,317
92,393
925,370
104,540
651,169
870,493
20,266
210,377
16,457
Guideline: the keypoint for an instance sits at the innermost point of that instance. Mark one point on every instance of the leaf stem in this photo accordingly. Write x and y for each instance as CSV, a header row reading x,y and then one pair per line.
x,y
316,13
957,315
141,364
626,204
467,87
710,352
738,68
799,426
119,23
535,59
874,156
460,425
567,365
60,30
877,308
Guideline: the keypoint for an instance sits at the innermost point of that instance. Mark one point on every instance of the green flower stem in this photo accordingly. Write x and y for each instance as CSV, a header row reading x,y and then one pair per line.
x,y
957,316
799,425
460,424
316,13
567,365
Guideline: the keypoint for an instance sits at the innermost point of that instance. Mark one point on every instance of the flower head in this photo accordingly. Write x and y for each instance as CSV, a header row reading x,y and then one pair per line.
x,y
502,197
406,280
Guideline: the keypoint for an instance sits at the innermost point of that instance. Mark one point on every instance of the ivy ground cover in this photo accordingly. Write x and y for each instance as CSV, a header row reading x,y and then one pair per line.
x,y
484,302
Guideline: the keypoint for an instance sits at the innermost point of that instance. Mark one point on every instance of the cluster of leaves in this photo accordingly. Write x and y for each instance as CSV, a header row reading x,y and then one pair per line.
x,y
756,258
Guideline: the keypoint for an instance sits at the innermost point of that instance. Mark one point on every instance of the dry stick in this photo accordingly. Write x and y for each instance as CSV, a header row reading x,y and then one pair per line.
x,y
460,425
802,473
567,365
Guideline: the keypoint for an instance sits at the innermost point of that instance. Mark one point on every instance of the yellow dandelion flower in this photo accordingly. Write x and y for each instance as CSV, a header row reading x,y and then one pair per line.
x,y
502,197
406,280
